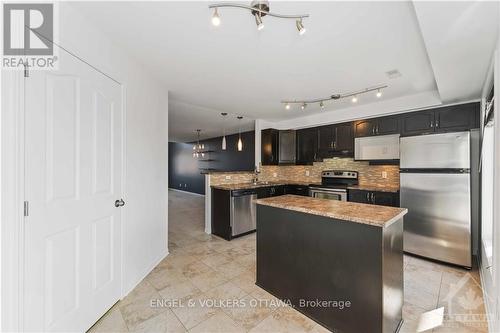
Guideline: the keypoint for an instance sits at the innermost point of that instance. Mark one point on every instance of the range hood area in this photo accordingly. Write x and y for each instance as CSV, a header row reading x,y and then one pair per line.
x,y
377,148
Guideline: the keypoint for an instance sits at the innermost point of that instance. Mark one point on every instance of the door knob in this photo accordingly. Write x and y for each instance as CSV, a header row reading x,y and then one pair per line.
x,y
119,203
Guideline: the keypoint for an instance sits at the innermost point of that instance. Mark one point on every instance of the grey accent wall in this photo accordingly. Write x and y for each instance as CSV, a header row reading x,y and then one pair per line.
x,y
186,172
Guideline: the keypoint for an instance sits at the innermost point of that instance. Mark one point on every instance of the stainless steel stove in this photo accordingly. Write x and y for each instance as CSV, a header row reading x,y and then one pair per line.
x,y
334,184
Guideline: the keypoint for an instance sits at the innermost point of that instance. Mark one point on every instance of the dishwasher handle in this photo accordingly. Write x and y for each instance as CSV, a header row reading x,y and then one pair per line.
x,y
240,193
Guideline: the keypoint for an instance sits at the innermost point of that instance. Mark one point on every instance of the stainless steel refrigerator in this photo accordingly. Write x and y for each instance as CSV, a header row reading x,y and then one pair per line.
x,y
435,180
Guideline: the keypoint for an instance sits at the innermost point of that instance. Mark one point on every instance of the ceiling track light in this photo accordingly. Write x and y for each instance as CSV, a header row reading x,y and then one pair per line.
x,y
321,101
259,9
240,142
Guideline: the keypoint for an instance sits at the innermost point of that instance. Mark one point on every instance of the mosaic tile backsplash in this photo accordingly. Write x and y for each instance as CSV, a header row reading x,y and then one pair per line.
x,y
368,174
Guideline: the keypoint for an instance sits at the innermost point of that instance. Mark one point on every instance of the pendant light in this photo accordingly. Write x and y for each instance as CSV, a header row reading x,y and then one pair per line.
x,y
198,148
224,114
240,143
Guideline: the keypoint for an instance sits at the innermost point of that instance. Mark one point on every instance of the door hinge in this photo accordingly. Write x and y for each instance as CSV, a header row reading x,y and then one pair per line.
x,y
26,71
26,208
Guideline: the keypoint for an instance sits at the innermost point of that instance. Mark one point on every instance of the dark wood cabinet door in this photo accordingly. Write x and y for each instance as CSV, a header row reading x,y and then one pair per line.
x,y
457,117
358,196
364,127
387,125
326,139
421,122
302,190
221,212
269,146
386,199
344,140
307,146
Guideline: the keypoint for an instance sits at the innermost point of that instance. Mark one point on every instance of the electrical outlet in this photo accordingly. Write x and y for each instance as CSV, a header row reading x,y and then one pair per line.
x,y
228,177
275,174
307,173
384,174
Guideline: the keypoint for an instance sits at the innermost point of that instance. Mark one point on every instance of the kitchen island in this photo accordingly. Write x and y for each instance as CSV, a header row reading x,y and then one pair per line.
x,y
339,263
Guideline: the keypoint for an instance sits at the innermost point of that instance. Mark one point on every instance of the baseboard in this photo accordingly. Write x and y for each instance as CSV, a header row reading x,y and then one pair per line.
x,y
176,190
487,305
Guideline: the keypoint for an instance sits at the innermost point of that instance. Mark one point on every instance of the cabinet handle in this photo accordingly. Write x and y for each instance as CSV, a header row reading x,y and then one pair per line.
x,y
377,128
334,144
431,124
368,196
437,123
373,130
373,197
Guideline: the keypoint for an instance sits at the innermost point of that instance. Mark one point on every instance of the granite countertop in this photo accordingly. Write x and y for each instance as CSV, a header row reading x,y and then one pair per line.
x,y
377,188
246,186
380,216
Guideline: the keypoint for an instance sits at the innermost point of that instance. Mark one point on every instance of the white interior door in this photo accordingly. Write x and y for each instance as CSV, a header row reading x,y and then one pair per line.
x,y
73,177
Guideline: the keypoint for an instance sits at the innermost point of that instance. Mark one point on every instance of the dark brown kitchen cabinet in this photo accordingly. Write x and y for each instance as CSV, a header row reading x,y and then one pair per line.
x,y
302,190
270,146
453,118
374,197
421,122
344,139
335,140
307,146
457,117
376,126
270,191
364,127
221,212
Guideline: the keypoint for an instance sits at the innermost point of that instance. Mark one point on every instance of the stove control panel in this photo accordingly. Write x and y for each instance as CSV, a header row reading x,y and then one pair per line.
x,y
340,174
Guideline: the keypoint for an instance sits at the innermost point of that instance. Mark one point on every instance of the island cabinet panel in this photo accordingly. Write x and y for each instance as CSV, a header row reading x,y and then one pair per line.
x,y
307,146
305,259
221,213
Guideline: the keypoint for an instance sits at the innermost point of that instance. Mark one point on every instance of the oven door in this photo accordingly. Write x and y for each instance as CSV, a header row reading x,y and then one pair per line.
x,y
340,195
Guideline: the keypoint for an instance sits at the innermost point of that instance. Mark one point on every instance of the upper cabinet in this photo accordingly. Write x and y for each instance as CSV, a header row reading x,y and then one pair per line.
x,y
307,146
446,119
376,126
269,146
335,140
287,150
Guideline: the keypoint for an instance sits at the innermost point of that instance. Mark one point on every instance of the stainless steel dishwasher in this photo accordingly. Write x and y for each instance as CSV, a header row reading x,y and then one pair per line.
x,y
243,217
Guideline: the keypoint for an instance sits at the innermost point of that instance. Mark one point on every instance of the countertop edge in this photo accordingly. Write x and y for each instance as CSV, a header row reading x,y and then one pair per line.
x,y
337,217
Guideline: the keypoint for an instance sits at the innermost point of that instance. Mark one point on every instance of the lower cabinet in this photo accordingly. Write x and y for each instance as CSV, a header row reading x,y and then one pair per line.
x,y
270,191
374,197
302,190
221,213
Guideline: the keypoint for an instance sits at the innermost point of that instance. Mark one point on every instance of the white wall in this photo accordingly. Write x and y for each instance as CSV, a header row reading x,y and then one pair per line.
x,y
146,107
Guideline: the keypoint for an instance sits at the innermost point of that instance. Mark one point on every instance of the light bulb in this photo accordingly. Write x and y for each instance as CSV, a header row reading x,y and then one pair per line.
x,y
303,106
202,146
224,142
355,99
258,21
321,105
379,93
194,147
300,27
287,106
216,18
202,154
240,144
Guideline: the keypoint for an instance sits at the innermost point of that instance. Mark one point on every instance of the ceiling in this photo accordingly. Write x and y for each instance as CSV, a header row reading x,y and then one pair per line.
x,y
348,46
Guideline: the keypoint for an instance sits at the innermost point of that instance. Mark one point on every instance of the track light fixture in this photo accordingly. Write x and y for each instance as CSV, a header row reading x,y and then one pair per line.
x,y
321,101
240,142
258,8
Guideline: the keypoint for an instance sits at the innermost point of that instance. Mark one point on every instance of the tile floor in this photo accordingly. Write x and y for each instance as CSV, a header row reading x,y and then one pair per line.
x,y
202,267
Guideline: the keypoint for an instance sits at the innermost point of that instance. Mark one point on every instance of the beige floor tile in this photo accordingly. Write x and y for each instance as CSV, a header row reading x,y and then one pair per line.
x,y
250,314
209,280
196,268
162,277
218,323
231,269
179,291
215,260
165,322
285,320
226,291
194,311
